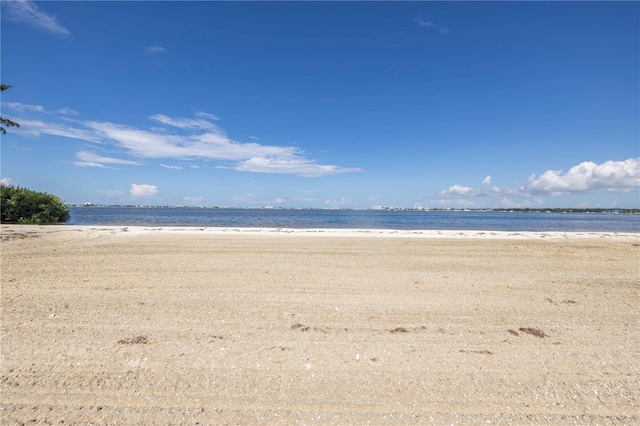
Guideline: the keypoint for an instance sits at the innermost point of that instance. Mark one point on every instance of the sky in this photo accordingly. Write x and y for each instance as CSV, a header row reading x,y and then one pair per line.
x,y
324,104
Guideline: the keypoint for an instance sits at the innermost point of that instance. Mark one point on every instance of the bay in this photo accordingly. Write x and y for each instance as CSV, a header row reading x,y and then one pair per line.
x,y
355,219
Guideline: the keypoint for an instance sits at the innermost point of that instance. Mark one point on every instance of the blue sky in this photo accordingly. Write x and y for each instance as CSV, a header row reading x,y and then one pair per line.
x,y
324,104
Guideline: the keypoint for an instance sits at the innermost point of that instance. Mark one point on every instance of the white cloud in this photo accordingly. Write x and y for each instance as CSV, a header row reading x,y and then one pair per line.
x,y
614,176
26,12
155,49
166,166
91,159
197,138
5,181
143,190
210,145
487,181
457,191
293,166
89,164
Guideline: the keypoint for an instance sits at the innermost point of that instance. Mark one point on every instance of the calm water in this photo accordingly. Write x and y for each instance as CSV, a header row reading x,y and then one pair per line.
x,y
365,219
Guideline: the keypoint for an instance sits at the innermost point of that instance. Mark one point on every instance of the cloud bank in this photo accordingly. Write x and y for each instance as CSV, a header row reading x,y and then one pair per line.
x,y
586,177
614,176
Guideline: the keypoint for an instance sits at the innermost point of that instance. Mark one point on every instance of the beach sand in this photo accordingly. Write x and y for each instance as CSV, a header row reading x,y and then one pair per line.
x,y
133,325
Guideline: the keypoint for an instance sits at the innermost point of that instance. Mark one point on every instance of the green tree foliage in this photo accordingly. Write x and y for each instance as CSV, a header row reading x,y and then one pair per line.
x,y
6,121
22,205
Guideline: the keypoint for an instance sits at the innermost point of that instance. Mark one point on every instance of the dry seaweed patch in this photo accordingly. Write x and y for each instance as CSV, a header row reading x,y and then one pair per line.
x,y
305,328
139,340
282,348
569,301
406,330
533,332
484,352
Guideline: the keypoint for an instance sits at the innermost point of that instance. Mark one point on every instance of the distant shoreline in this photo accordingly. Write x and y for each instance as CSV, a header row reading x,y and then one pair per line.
x,y
378,208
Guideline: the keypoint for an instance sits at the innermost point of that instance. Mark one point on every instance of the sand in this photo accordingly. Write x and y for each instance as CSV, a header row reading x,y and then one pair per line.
x,y
134,325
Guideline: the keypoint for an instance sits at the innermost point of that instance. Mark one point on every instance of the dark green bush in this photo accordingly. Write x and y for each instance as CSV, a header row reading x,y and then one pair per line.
x,y
22,205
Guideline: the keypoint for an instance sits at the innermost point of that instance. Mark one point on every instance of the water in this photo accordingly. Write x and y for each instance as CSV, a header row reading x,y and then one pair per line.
x,y
361,219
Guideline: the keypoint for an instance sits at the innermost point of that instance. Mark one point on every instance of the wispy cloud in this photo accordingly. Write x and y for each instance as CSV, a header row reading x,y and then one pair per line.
x,y
66,111
181,138
207,116
188,123
152,50
36,128
27,12
166,166
427,22
5,181
24,107
91,159
38,108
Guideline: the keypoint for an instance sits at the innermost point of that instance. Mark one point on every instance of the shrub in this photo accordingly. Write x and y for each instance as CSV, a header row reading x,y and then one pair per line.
x,y
22,205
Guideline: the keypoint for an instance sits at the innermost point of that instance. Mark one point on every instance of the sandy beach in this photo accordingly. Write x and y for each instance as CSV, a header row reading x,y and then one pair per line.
x,y
135,325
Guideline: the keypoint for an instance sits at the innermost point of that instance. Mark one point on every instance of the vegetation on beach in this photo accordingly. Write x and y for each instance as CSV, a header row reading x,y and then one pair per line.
x,y
22,205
